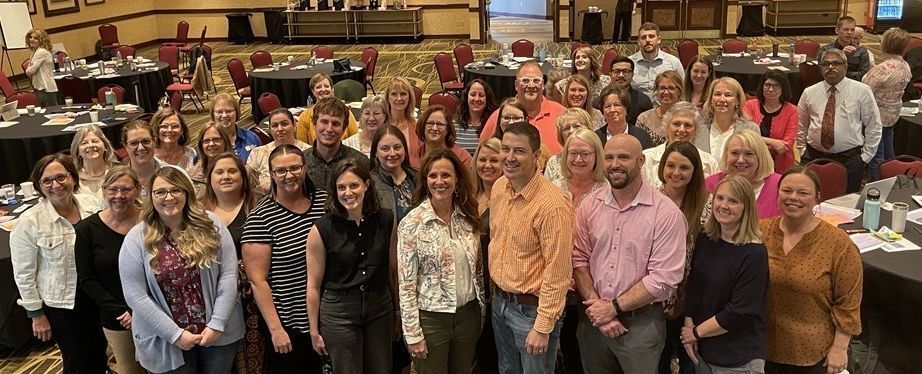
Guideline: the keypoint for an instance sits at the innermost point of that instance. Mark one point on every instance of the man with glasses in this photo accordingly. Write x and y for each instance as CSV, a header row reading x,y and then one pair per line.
x,y
282,129
541,112
622,74
839,119
650,60
858,61
329,119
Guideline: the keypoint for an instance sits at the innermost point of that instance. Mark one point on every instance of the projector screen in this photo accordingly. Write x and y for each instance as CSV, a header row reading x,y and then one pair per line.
x,y
15,22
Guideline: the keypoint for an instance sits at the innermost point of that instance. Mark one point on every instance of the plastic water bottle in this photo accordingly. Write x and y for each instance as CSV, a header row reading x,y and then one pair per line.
x,y
542,55
67,66
791,55
110,99
505,49
102,67
118,58
871,214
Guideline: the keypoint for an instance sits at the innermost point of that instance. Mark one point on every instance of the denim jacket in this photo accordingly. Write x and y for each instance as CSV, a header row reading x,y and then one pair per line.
x,y
42,253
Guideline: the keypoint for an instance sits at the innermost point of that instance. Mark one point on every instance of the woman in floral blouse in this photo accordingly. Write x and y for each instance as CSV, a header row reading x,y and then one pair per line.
x,y
439,275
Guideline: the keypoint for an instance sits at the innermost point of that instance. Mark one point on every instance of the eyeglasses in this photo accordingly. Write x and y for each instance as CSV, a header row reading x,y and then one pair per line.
x,y
512,119
580,155
625,72
49,181
175,192
281,172
831,64
145,142
436,124
215,141
171,127
772,86
668,89
530,80
116,190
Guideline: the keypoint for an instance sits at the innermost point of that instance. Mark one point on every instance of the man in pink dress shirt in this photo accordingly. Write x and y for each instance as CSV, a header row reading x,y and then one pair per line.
x,y
628,257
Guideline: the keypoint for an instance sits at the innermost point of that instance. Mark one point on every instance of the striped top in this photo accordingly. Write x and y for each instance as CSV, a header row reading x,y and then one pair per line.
x,y
286,233
467,138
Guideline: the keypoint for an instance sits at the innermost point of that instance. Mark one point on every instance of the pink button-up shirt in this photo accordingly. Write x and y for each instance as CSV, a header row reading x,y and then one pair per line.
x,y
641,242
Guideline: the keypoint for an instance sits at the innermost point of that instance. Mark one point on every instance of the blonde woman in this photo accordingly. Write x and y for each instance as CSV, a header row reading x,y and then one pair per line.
x,y
568,122
723,116
373,115
93,157
41,67
179,275
487,169
401,107
746,155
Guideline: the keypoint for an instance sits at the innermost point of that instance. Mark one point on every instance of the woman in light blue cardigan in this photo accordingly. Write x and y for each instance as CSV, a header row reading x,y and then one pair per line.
x,y
179,275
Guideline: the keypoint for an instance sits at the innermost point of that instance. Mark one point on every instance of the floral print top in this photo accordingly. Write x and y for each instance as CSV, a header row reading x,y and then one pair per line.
x,y
181,287
438,266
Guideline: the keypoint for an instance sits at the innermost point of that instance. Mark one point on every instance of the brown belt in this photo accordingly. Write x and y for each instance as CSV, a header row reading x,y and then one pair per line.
x,y
519,298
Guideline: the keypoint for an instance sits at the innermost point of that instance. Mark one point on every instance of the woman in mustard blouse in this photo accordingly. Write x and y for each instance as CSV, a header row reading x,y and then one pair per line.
x,y
815,283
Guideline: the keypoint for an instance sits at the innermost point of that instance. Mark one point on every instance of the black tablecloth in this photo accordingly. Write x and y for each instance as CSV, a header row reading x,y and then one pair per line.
x,y
501,79
151,84
23,144
751,20
291,86
907,135
276,31
15,326
892,298
239,29
749,74
592,27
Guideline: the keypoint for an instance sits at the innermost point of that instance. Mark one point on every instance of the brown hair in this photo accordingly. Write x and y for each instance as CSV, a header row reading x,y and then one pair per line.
x,y
449,130
163,114
370,203
800,169
463,198
331,106
595,70
246,189
43,40
894,41
203,158
43,163
696,194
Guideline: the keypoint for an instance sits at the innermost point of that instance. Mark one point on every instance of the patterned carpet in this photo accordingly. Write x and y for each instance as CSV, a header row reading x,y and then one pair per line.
x,y
413,61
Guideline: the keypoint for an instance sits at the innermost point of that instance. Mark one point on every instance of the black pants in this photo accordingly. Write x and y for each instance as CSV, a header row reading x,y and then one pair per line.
x,y
485,362
569,344
854,165
776,368
358,328
622,21
78,333
673,347
301,359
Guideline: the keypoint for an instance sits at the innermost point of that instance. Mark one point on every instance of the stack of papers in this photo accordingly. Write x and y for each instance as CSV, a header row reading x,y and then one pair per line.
x,y
867,242
909,111
836,215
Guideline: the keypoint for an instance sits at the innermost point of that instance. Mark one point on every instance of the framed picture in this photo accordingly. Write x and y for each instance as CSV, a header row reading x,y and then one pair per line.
x,y
57,7
94,2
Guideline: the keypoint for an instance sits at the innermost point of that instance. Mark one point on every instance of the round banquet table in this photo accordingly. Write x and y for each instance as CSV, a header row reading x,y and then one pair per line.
x,y
749,74
291,86
15,326
892,296
906,134
501,79
23,144
143,87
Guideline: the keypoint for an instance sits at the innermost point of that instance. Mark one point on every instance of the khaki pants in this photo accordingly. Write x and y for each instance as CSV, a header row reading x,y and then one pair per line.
x,y
123,348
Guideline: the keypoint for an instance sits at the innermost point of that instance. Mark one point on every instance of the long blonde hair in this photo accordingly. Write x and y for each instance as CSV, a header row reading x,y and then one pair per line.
x,y
748,231
197,239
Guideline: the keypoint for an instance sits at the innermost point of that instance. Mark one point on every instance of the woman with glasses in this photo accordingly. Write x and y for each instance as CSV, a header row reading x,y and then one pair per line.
x,y
576,94
586,65
212,141
98,243
436,131
44,269
723,116
321,87
225,112
179,275
476,105
698,77
667,91
395,179
776,116
373,116
567,123
681,123
274,254
282,129
511,110
615,101
138,139
172,137
93,157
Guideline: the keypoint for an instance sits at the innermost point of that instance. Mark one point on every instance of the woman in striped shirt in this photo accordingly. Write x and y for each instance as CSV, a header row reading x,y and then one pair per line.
x,y
476,105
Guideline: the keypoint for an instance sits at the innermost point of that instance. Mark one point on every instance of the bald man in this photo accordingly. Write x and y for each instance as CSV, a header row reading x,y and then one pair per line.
x,y
640,236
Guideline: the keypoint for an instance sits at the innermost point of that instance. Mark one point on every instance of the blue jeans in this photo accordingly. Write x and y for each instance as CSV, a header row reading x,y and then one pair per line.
x,y
217,359
884,152
511,324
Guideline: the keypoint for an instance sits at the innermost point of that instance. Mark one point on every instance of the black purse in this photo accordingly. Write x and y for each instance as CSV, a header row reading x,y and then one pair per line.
x,y
342,65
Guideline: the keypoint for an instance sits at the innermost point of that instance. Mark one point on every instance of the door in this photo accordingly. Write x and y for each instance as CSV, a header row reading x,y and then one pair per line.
x,y
680,19
484,21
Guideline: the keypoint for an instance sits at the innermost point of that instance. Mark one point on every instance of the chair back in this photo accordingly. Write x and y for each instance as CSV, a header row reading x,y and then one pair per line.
x,y
238,74
807,47
903,164
370,59
176,101
182,32
445,99
263,136
260,58
108,34
25,65
688,49
914,42
464,55
833,177
268,102
607,59
419,96
810,74
734,46
349,90
201,38
23,99
170,55
59,57
6,87
322,51
76,88
445,67
118,90
523,48
126,50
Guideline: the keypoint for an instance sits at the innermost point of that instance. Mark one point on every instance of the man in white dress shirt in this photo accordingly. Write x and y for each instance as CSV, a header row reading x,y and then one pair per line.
x,y
650,61
839,119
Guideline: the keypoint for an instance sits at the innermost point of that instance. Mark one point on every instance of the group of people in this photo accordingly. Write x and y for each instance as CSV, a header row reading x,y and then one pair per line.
x,y
649,214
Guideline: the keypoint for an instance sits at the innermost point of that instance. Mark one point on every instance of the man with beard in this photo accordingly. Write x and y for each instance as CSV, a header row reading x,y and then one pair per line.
x,y
531,231
839,119
329,119
858,61
622,74
650,60
542,113
628,258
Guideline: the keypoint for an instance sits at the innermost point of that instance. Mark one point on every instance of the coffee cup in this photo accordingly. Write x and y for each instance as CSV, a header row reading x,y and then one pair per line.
x,y
68,101
28,189
94,116
30,109
900,209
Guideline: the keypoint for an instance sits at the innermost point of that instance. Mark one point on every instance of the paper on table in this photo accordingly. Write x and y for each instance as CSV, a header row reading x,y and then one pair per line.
x,y
915,216
900,246
835,214
73,128
522,59
262,70
765,61
779,68
5,124
9,225
917,199
866,242
848,201
907,111
58,122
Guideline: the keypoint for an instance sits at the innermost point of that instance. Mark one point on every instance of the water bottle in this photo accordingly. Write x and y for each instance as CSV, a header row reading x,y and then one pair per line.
x,y
110,99
118,58
67,66
542,55
871,214
505,49
791,55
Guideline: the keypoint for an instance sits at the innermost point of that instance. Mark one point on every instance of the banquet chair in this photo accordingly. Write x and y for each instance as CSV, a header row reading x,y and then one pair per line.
x,y
610,55
322,51
238,75
176,101
186,49
126,50
76,88
263,136
688,49
445,68
349,90
914,42
59,57
23,99
523,48
182,34
445,99
833,177
418,93
810,74
807,47
260,58
464,55
734,46
268,102
6,87
108,35
183,85
902,164
370,59
24,66
118,90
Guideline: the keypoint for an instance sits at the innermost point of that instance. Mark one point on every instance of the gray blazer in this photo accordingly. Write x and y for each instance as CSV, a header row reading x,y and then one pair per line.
x,y
153,329
703,134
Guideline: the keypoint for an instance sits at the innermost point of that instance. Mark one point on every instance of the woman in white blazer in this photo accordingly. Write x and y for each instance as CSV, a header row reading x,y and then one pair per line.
x,y
41,67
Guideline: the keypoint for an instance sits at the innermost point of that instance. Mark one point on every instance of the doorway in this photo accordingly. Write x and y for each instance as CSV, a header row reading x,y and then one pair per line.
x,y
681,19
511,20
